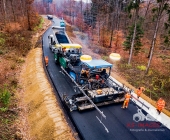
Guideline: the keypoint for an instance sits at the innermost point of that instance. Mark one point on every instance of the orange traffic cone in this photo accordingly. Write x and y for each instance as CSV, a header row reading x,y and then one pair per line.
x,y
46,61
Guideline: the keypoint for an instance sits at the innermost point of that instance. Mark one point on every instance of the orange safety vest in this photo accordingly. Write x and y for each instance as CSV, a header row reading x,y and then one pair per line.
x,y
127,97
46,60
138,92
161,103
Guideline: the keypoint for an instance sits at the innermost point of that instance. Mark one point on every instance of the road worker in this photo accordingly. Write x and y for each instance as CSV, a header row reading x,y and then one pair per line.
x,y
46,61
126,101
139,91
160,105
64,50
85,73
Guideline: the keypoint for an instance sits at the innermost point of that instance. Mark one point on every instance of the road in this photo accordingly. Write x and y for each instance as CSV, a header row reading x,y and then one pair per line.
x,y
119,122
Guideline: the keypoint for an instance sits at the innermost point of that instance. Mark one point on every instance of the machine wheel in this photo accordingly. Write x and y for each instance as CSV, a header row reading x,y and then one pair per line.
x,y
57,62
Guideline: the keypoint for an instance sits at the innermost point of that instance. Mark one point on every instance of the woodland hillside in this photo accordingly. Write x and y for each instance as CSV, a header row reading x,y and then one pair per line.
x,y
18,23
139,30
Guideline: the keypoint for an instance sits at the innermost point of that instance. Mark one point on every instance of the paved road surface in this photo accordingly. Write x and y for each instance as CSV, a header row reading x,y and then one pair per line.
x,y
119,122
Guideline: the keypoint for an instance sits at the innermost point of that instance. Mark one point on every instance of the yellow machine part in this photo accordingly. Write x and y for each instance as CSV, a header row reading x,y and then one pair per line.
x,y
68,46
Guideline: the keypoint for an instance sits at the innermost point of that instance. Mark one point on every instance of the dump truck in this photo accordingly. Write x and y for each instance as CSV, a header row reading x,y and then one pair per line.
x,y
57,37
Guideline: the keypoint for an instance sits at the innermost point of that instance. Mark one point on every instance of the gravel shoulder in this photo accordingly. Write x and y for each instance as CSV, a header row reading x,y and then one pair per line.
x,y
43,119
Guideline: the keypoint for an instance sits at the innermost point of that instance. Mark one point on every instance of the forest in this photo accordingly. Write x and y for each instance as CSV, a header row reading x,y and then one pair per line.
x,y
139,30
19,21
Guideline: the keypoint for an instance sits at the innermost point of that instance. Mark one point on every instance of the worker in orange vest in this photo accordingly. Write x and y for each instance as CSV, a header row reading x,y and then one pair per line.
x,y
46,61
139,91
160,105
126,101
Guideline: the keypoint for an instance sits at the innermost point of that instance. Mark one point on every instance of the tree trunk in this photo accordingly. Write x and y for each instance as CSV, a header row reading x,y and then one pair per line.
x,y
13,10
157,23
22,12
81,6
118,15
111,36
116,43
103,34
28,16
4,4
132,44
153,44
147,9
99,32
133,38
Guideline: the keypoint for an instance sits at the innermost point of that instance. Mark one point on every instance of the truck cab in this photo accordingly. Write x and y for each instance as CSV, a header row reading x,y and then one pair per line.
x,y
62,23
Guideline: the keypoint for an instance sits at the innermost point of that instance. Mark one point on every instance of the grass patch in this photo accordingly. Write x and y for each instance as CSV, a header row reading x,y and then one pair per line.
x,y
3,109
141,67
104,57
40,25
1,52
20,60
5,97
126,66
2,41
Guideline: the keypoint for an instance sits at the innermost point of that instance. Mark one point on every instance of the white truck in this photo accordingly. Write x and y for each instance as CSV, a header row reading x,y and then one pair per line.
x,y
57,37
50,17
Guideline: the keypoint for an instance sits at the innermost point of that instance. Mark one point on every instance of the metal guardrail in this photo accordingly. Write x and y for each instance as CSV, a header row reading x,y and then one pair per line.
x,y
127,89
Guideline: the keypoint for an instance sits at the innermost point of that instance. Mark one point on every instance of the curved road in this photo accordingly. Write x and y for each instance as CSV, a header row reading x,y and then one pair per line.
x,y
119,122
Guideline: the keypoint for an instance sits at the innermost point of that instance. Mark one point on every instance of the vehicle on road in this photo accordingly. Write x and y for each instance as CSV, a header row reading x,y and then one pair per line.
x,y
62,23
50,17
92,83
57,37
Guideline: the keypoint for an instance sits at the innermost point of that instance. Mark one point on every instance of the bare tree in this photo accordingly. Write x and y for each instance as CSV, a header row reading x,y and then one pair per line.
x,y
147,8
135,6
12,6
162,6
5,15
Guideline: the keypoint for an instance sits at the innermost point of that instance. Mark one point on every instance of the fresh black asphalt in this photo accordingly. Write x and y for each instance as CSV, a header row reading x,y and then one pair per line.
x,y
119,122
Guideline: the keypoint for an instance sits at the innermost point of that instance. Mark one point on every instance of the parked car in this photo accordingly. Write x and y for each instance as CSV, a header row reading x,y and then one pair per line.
x,y
49,17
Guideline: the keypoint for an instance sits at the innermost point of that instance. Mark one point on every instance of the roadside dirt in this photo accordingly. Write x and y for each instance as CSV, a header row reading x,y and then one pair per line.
x,y
45,118
41,117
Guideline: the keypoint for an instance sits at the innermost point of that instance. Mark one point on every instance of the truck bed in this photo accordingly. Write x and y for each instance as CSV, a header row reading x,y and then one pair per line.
x,y
61,38
60,35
